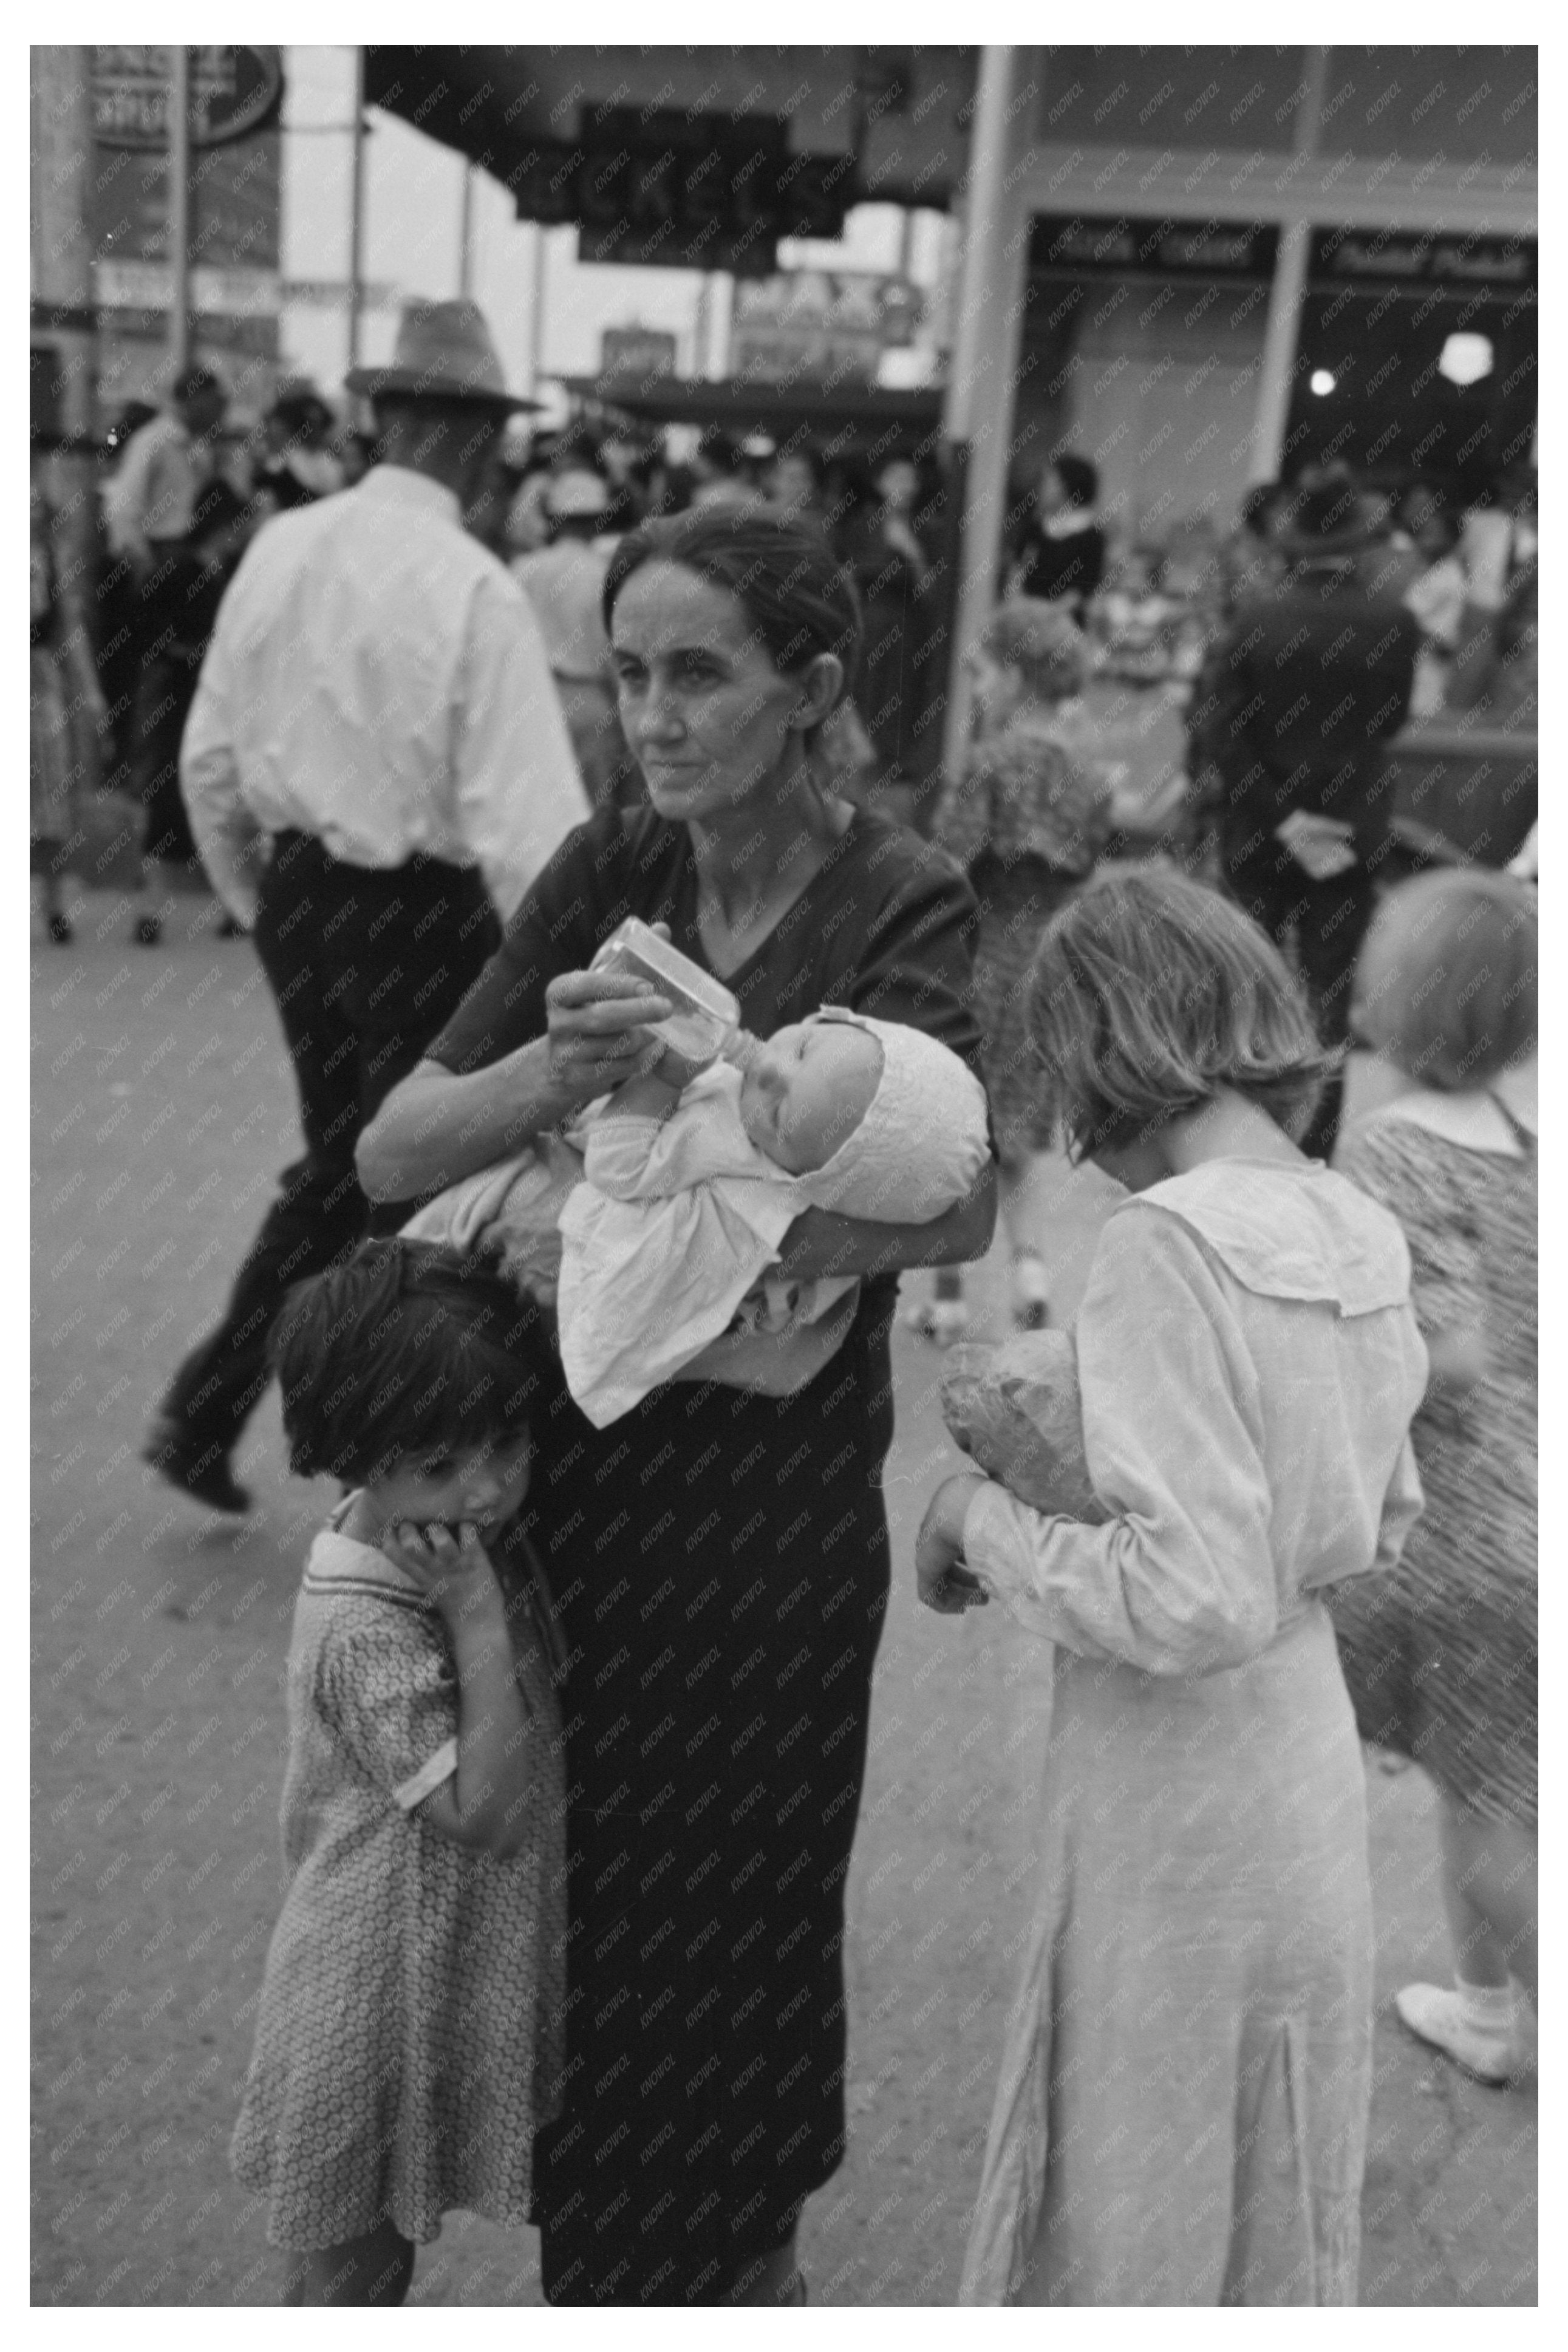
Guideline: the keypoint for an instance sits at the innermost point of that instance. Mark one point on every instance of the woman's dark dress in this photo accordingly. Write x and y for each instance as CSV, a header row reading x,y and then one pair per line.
x,y
720,1565
1071,567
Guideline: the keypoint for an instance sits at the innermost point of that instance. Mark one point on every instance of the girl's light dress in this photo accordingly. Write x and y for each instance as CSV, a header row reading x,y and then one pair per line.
x,y
410,2029
1181,2112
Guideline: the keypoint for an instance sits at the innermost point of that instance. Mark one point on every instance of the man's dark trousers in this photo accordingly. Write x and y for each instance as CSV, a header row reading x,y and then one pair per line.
x,y
366,968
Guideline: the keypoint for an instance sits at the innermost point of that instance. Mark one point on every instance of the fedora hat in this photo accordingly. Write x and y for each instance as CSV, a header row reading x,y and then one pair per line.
x,y
444,352
1325,513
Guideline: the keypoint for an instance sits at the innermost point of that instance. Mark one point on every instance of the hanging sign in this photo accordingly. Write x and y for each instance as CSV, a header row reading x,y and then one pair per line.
x,y
233,91
1082,247
635,350
820,322
1423,257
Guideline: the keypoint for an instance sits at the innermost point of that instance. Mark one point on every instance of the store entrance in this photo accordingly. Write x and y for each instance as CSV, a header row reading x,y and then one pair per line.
x,y
1416,373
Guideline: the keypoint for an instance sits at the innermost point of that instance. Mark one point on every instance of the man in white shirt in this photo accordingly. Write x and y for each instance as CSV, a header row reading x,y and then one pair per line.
x,y
564,582
150,497
375,764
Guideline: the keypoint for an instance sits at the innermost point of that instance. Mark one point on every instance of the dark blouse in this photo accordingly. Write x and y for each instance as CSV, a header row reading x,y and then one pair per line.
x,y
1070,567
719,1564
880,928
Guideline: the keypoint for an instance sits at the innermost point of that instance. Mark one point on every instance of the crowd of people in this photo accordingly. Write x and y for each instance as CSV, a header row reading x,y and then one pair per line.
x,y
641,1049
185,486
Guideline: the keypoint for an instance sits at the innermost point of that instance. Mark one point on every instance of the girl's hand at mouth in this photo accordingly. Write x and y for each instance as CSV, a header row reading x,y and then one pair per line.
x,y
448,1564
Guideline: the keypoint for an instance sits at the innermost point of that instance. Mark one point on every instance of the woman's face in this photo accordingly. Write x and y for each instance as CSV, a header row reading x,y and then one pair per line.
x,y
709,718
898,485
1050,497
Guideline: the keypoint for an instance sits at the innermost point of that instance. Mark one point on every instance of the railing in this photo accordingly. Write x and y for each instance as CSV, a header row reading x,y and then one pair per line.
x,y
1463,795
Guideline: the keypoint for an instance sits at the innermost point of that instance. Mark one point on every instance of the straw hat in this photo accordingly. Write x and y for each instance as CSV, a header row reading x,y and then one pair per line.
x,y
444,352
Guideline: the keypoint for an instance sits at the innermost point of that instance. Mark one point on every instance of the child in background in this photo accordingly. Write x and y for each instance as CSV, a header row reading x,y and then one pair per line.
x,y
409,2036
1028,820
1183,2109
1441,1656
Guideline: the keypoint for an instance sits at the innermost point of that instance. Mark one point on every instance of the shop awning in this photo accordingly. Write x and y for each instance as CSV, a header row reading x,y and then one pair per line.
x,y
701,158
903,420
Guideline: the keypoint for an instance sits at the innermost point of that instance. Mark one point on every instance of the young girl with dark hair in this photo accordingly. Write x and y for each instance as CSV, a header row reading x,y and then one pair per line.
x,y
1183,2109
1060,553
409,2033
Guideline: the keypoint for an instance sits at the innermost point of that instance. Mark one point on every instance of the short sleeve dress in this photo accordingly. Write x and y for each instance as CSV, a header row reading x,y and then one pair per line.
x,y
720,1565
1440,1657
410,2030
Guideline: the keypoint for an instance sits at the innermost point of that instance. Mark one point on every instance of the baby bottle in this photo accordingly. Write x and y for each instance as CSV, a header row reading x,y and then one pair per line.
x,y
706,1021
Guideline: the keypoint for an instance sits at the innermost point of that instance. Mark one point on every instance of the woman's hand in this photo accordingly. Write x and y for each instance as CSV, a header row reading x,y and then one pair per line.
x,y
945,1584
1322,846
1459,1362
597,1033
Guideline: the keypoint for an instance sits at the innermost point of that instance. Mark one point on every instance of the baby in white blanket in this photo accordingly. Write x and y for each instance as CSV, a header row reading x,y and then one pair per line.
x,y
686,1198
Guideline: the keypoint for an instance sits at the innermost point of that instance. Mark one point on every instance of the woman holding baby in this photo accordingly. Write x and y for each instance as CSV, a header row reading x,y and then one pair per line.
x,y
717,1552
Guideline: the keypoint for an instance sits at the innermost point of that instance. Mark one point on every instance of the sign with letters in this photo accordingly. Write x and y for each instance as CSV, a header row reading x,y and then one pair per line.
x,y
233,92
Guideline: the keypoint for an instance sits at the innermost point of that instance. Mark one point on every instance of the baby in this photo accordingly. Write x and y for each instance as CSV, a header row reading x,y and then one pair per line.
x,y
686,1195
665,1246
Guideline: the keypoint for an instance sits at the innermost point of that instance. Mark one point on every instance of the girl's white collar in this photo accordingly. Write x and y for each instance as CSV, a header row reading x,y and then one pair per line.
x,y
1473,1119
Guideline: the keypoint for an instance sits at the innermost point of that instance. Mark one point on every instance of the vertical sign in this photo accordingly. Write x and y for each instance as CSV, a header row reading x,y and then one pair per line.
x,y
234,216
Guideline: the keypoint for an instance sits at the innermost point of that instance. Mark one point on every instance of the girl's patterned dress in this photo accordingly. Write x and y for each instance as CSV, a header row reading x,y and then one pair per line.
x,y
410,2029
49,814
1440,1657
1028,820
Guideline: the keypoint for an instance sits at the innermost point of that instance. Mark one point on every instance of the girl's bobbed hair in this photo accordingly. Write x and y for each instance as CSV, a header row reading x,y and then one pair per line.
x,y
1079,479
798,600
1043,643
1148,994
405,1354
1446,988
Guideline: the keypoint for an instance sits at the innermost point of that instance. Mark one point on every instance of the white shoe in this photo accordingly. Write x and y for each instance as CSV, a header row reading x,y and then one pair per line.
x,y
1439,2014
943,1320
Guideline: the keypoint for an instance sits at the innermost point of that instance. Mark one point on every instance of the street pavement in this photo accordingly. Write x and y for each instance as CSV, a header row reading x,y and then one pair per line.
x,y
162,1109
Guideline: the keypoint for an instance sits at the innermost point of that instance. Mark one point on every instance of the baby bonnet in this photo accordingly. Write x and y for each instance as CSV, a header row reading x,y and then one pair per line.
x,y
922,1143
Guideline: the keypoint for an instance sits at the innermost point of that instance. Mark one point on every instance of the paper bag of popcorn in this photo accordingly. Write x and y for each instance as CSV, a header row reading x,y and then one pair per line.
x,y
1016,1411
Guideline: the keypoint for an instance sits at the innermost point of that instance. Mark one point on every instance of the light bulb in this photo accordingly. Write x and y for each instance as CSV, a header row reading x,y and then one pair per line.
x,y
1466,359
1321,382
